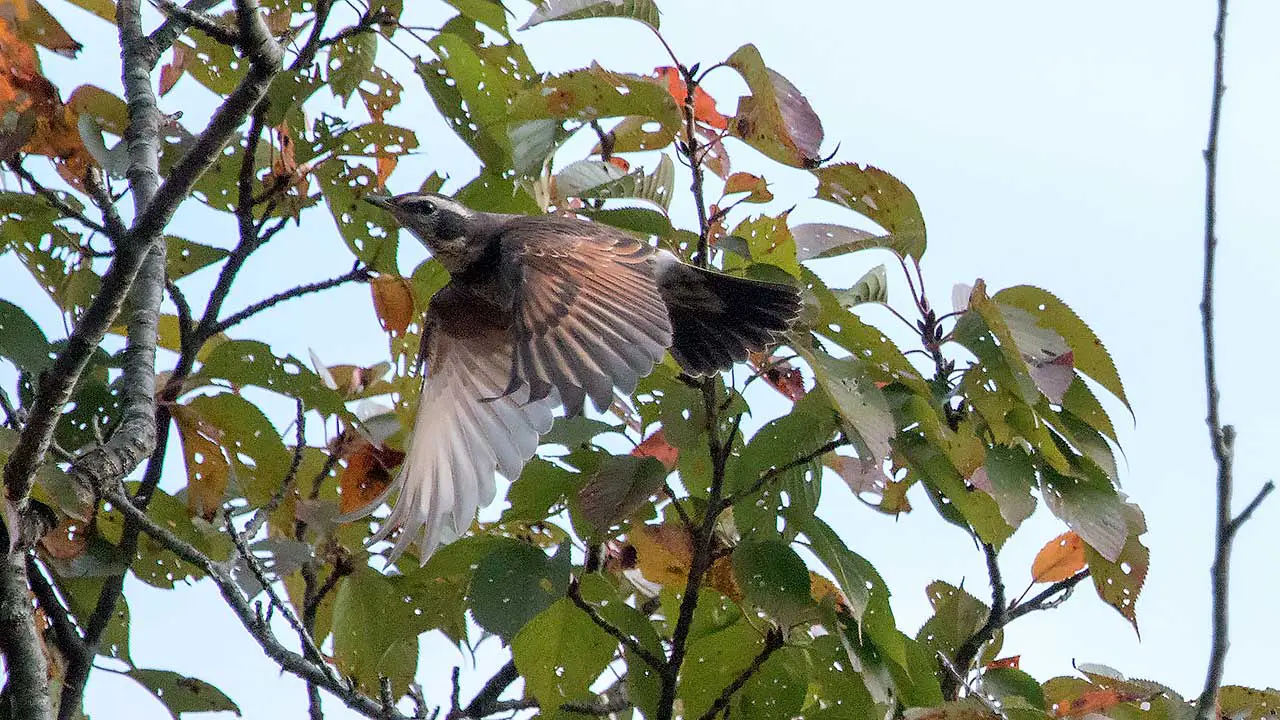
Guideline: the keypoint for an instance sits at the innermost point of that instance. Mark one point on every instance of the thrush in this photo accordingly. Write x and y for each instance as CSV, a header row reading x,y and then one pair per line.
x,y
543,311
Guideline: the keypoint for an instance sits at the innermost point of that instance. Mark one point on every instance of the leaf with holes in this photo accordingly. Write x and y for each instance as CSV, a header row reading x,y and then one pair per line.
x,y
350,62
1090,355
769,241
595,93
775,118
774,578
880,197
621,486
560,653
185,257
1008,476
957,615
372,636
249,362
515,582
207,467
605,181
645,11
1119,581
1059,559
216,66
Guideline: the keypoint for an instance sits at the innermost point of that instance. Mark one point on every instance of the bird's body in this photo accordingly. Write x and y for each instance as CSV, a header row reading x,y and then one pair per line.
x,y
542,311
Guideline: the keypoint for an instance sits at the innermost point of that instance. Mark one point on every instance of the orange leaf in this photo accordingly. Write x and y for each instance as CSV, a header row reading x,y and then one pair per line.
x,y
366,475
1094,701
741,182
1059,559
393,302
657,447
620,163
1013,662
386,164
821,588
704,106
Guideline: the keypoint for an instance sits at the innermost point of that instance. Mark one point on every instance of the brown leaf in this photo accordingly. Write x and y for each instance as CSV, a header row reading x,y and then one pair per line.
x,y
207,466
66,541
386,164
656,446
1059,559
1012,662
1094,701
174,69
393,302
366,475
720,577
821,588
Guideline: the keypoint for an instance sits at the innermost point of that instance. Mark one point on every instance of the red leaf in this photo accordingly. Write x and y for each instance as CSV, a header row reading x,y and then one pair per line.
x,y
704,106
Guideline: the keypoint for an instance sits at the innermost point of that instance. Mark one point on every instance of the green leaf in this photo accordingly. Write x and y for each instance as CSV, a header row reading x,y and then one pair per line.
x,y
880,197
105,9
185,257
22,340
489,12
559,653
350,62
370,233
982,330
1245,703
542,486
182,694
515,582
775,118
82,595
52,255
769,241
259,459
714,660
1091,356
835,693
1092,508
777,690
532,142
774,578
1005,683
645,11
862,586
1013,478
957,615
473,83
864,410
641,220
654,188
620,486
368,140
872,287
955,501
595,93
216,66
372,635
248,362
1119,581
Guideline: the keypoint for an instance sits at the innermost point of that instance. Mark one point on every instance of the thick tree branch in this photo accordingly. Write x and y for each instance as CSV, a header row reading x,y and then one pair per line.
x,y
26,693
485,701
168,33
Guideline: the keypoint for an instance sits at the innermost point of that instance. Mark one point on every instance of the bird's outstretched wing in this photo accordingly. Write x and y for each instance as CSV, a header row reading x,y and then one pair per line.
x,y
465,428
589,315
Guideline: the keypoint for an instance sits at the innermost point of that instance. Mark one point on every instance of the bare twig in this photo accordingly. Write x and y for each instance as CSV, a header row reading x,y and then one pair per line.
x,y
54,199
356,274
484,703
1047,598
1221,437
199,21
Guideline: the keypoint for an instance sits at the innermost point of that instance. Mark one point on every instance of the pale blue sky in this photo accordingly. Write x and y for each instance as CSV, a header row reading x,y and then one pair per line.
x,y
1051,144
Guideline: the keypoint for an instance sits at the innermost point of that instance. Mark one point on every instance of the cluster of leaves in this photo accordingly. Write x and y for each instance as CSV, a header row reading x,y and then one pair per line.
x,y
673,566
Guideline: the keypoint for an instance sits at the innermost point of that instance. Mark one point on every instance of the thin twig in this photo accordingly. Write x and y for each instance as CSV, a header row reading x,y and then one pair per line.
x,y
770,475
1047,598
772,642
51,196
630,643
996,619
356,274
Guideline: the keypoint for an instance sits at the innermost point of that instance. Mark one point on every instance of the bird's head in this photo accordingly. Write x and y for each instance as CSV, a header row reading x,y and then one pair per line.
x,y
442,224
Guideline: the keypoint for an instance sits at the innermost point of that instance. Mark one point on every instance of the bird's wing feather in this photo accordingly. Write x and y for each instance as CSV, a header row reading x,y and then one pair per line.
x,y
465,427
589,315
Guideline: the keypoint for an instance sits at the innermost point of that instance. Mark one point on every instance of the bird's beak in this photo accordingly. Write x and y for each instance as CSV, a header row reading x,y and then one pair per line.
x,y
381,200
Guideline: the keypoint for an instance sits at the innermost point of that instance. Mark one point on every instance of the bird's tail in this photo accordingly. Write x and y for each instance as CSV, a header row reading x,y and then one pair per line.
x,y
716,319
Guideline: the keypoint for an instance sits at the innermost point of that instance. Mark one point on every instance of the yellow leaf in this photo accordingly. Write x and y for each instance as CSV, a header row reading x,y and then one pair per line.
x,y
663,553
1059,559
207,466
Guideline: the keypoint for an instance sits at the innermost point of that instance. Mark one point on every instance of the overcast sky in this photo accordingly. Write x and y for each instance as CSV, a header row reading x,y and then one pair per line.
x,y
1048,143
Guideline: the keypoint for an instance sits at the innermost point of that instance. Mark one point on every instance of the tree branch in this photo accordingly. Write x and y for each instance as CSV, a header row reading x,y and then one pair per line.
x,y
996,619
772,642
288,660
52,197
27,689
769,476
356,274
658,664
64,630
486,701
1046,599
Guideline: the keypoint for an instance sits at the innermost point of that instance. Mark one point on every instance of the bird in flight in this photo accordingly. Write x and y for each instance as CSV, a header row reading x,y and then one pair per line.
x,y
542,311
